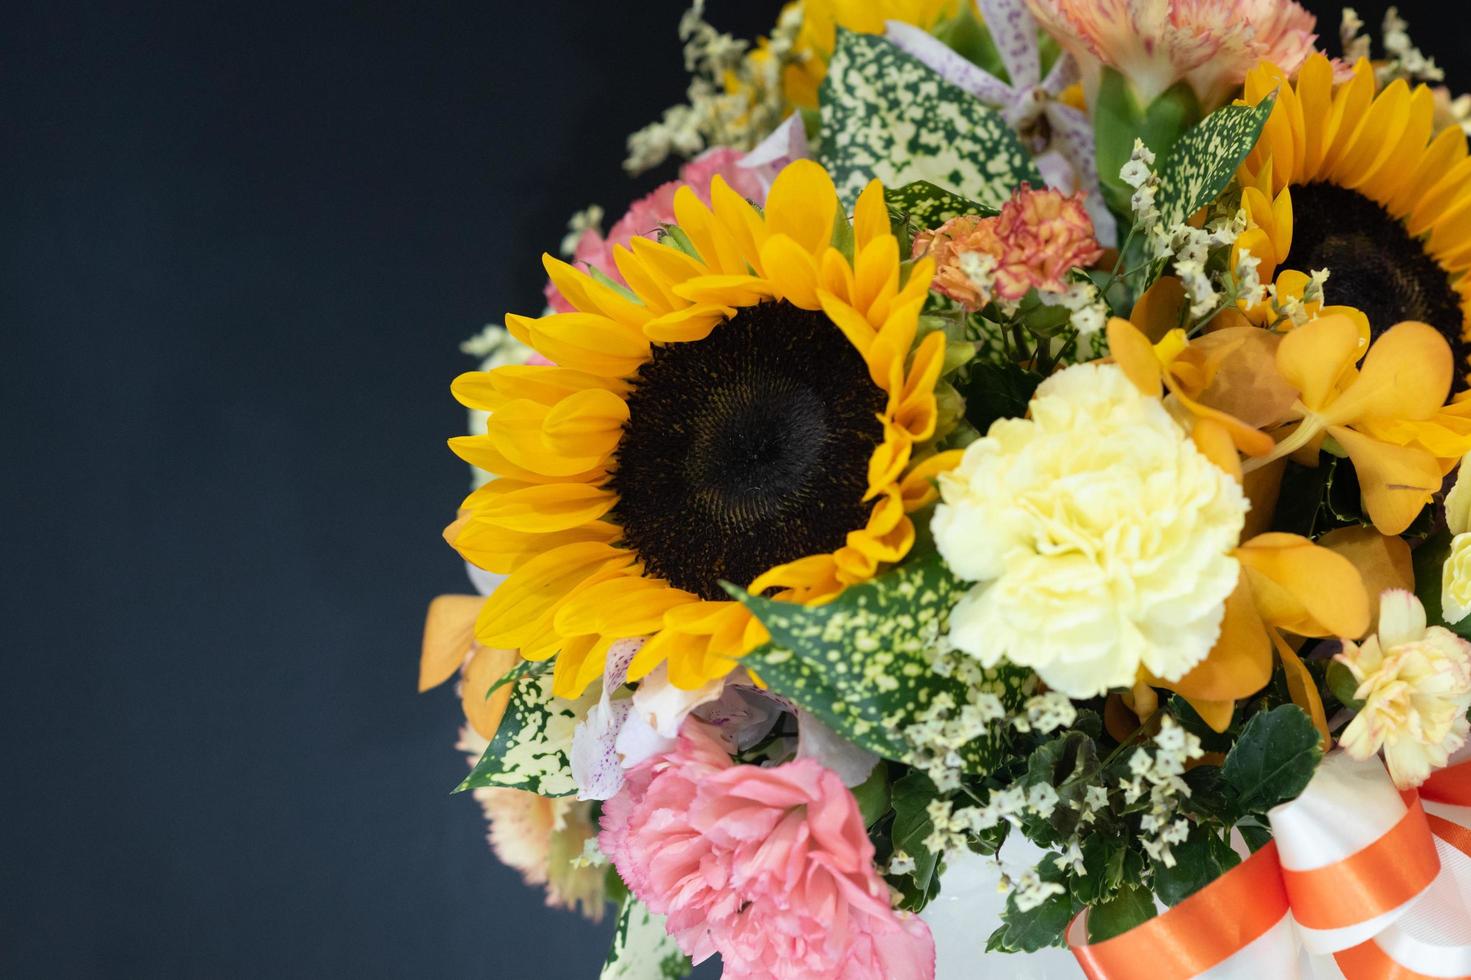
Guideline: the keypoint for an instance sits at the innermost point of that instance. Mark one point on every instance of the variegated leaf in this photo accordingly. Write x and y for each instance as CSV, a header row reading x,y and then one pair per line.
x,y
1205,159
885,114
863,662
531,748
642,949
924,205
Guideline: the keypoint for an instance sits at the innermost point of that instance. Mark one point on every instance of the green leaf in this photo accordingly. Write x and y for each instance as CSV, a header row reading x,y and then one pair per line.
x,y
642,949
887,115
1205,158
1069,763
1273,759
873,795
526,668
1034,929
1255,835
1343,684
1201,859
923,205
1429,560
1133,905
1103,859
912,824
530,749
998,391
1119,119
861,663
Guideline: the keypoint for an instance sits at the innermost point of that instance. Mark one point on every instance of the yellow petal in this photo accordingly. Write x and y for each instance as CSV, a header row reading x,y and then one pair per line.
x,y
1383,562
870,216
449,631
1161,308
687,325
1396,481
485,668
1303,588
1313,357
1301,686
1134,354
802,205
511,615
1406,375
791,270
1240,664
540,508
591,296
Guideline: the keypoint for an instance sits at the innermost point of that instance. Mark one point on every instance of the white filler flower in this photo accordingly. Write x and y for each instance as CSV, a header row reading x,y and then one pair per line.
x,y
1100,537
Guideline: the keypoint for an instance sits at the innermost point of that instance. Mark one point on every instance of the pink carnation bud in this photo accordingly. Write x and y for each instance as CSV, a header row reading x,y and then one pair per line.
x,y
1044,235
946,244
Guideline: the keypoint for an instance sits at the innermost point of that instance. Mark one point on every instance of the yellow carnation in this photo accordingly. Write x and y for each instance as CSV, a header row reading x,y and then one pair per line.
x,y
1455,580
1415,682
1099,536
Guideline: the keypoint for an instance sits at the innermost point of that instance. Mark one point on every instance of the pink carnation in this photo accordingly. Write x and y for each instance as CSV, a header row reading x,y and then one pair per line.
x,y
1039,237
1212,44
648,215
769,867
1044,235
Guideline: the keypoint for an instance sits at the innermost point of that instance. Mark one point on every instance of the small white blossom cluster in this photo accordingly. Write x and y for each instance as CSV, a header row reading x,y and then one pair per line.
x,y
1294,309
1411,61
1191,250
737,115
900,864
1158,775
943,728
1189,247
1031,891
1044,713
1402,58
588,219
1139,174
1084,302
495,347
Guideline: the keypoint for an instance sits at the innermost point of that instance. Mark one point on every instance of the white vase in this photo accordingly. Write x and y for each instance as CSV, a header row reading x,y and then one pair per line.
x,y
969,910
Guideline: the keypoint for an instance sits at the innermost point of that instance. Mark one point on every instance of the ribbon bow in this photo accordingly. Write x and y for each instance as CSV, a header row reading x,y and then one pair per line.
x,y
1359,881
1064,146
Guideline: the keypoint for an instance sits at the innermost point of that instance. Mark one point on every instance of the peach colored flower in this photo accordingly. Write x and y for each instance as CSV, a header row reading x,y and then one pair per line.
x,y
649,214
1044,234
946,245
1211,44
769,867
1415,682
1036,240
541,838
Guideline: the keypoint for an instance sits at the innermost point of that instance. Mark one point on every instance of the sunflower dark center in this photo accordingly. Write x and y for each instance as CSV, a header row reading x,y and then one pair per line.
x,y
1376,266
747,449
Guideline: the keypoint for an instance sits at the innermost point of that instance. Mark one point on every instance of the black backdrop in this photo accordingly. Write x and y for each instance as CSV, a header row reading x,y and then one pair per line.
x,y
242,243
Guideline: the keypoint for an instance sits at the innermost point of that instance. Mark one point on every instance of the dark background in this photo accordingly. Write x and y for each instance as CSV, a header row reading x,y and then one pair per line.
x,y
242,243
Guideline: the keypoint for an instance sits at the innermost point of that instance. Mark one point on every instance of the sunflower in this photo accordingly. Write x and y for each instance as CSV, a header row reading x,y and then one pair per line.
x,y
754,409
1359,183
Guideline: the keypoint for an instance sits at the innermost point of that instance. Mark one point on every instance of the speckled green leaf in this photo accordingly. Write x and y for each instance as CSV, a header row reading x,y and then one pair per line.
x,y
530,749
861,662
887,115
924,205
641,949
1205,159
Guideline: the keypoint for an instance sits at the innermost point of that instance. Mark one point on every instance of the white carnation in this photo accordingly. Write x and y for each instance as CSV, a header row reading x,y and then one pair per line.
x,y
1099,536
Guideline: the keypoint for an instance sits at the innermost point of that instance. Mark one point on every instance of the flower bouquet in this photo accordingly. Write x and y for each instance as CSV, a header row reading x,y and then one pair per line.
x,y
995,512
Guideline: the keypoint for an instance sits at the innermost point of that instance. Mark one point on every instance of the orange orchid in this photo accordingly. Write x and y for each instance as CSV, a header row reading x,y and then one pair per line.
x,y
1287,584
1228,376
1388,415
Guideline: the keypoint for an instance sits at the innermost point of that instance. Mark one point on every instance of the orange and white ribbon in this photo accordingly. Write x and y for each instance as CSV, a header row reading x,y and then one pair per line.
x,y
1359,882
